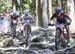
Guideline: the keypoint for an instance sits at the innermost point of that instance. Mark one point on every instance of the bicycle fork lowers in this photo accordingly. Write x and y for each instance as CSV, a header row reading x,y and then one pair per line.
x,y
60,38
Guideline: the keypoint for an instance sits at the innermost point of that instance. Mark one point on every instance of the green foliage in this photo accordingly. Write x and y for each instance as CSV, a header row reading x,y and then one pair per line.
x,y
25,4
28,4
63,4
4,5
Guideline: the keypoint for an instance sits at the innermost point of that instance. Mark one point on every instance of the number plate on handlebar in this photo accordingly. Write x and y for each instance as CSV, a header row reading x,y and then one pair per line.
x,y
26,22
14,21
59,25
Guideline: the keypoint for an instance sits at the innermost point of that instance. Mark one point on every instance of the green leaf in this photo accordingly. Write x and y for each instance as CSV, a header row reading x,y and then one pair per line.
x,y
26,6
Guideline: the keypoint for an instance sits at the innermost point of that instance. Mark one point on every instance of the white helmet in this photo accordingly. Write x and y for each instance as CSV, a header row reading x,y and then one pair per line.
x,y
26,11
14,13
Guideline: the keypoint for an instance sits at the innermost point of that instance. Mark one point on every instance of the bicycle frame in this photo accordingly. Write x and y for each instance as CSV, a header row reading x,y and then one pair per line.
x,y
60,37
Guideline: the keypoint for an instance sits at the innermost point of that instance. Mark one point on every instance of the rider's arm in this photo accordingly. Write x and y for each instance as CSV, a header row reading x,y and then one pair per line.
x,y
68,17
53,16
19,19
31,18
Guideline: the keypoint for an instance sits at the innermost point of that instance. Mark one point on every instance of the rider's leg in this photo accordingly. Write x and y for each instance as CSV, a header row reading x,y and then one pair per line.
x,y
68,32
29,27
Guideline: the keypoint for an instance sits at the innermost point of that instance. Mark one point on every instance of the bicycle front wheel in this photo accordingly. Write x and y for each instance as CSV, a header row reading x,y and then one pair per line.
x,y
26,35
57,40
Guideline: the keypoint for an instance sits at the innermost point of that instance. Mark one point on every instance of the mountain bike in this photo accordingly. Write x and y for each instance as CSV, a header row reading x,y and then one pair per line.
x,y
60,36
26,32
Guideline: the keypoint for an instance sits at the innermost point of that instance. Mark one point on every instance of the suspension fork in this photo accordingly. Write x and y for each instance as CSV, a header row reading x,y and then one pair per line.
x,y
62,36
27,34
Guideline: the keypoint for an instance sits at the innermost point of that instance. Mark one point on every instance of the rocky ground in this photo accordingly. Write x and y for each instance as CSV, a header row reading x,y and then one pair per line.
x,y
42,42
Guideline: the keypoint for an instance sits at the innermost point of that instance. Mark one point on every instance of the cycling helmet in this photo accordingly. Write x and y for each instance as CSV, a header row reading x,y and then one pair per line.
x,y
26,11
14,13
58,10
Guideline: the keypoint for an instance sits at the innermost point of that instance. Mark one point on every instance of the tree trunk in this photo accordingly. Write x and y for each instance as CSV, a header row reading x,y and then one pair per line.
x,y
70,5
41,13
37,20
44,14
58,2
63,5
49,5
13,5
21,6
16,5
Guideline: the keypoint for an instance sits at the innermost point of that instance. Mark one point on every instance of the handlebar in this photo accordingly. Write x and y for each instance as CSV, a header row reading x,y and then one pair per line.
x,y
58,24
51,24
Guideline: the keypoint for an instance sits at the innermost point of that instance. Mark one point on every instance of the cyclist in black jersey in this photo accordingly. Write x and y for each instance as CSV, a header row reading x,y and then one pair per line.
x,y
62,19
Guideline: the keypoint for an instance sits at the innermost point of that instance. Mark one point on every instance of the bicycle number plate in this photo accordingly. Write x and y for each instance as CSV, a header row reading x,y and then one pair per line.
x,y
14,21
26,22
60,25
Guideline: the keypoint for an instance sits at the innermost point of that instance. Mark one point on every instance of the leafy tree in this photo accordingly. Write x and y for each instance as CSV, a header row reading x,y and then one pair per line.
x,y
28,4
5,5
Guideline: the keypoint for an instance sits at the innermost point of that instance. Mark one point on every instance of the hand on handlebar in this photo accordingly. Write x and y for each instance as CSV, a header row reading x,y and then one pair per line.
x,y
32,22
50,24
68,23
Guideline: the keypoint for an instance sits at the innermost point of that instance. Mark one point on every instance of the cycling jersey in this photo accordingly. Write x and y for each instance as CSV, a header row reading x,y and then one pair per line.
x,y
62,18
14,18
27,18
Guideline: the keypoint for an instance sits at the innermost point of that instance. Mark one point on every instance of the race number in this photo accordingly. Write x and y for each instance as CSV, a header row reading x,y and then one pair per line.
x,y
14,21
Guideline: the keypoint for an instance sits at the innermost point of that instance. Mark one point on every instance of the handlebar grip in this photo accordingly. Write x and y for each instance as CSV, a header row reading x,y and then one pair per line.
x,y
50,24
